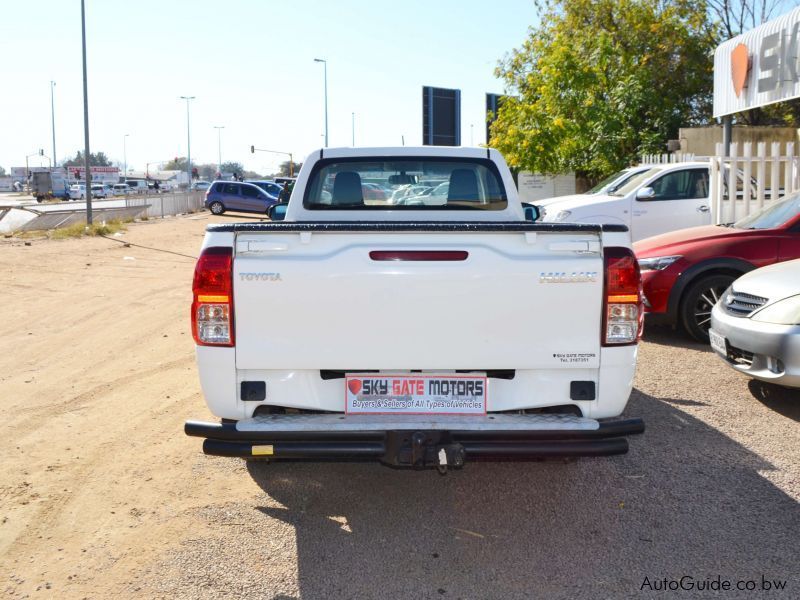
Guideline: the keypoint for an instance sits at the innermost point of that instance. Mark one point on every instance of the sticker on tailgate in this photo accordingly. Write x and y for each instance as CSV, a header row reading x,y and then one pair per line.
x,y
415,394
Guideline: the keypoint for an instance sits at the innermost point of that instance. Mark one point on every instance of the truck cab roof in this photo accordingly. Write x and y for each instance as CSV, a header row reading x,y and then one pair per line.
x,y
397,184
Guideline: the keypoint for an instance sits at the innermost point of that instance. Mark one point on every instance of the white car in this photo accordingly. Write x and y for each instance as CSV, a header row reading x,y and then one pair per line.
x,y
417,335
755,327
606,186
121,189
99,191
137,186
660,199
77,191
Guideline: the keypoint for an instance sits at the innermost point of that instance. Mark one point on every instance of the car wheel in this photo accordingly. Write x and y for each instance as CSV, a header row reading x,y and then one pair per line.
x,y
216,208
698,301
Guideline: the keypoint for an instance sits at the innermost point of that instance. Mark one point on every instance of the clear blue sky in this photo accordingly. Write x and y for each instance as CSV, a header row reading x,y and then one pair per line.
x,y
250,65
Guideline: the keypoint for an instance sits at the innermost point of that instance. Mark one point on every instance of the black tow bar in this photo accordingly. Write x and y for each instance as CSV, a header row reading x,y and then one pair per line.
x,y
440,449
421,449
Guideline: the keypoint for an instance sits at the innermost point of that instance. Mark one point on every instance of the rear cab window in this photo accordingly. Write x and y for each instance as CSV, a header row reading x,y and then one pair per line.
x,y
413,183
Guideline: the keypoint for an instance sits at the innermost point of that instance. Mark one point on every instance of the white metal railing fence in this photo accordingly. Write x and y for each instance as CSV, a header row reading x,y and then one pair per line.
x,y
667,159
758,178
163,205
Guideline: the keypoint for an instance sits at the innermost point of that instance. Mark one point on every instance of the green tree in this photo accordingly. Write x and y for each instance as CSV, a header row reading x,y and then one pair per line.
x,y
207,171
2,172
98,159
600,82
283,169
233,167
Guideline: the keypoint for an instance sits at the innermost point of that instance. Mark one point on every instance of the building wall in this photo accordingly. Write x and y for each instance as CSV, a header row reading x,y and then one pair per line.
x,y
701,141
533,186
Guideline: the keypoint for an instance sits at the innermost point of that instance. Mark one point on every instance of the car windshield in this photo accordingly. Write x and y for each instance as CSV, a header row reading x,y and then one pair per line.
x,y
634,182
772,216
267,186
600,186
425,183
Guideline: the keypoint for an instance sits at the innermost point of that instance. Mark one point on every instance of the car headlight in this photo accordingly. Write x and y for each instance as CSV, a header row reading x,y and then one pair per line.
x,y
659,263
783,312
562,215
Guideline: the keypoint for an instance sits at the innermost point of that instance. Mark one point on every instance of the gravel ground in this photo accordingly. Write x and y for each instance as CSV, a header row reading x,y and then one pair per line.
x,y
710,490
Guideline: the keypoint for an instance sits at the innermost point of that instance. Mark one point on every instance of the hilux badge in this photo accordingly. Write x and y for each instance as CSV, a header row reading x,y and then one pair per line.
x,y
574,277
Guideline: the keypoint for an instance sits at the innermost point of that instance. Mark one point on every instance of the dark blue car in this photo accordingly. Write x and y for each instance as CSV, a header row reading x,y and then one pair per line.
x,y
273,189
238,196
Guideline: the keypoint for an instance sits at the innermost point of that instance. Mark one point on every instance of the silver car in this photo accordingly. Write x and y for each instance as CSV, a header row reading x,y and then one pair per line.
x,y
755,326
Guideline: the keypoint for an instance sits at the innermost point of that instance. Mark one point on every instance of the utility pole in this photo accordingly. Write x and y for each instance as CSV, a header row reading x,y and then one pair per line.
x,y
325,65
353,125
188,141
53,119
86,153
219,129
125,157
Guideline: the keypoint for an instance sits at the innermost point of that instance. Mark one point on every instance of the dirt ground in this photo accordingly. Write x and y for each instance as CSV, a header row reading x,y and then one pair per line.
x,y
101,494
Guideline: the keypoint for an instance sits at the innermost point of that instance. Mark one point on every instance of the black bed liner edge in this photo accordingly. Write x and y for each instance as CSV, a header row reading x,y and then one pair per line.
x,y
401,226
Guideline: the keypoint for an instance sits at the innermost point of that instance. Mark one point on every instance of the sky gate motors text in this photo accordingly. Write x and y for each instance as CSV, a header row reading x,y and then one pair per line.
x,y
418,387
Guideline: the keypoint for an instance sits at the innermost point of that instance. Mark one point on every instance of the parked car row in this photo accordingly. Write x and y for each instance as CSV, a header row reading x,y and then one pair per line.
x,y
735,285
77,191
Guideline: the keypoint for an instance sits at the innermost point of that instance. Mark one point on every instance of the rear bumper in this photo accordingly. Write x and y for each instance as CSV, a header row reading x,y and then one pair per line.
x,y
416,441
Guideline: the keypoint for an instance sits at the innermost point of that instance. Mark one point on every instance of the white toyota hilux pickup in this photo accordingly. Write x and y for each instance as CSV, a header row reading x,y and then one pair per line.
x,y
420,333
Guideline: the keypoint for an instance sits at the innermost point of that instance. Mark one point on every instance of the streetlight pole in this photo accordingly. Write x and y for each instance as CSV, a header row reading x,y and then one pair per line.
x,y
325,65
188,141
219,129
86,154
53,118
353,126
125,158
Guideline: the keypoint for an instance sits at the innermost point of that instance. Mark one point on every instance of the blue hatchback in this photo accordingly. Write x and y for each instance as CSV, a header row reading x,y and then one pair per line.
x,y
239,196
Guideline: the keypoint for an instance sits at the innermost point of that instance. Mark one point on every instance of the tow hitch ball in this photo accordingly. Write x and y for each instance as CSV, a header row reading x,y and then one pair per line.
x,y
425,449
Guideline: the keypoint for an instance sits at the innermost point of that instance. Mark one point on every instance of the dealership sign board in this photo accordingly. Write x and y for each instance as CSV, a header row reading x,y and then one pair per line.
x,y
759,67
99,174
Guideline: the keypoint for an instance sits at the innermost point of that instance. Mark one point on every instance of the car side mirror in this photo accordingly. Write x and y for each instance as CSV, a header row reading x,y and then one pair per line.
x,y
645,193
277,212
532,213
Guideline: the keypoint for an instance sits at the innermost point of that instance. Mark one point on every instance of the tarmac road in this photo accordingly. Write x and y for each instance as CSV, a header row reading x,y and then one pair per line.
x,y
102,495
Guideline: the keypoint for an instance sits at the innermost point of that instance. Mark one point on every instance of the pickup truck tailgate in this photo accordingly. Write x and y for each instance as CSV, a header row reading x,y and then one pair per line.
x,y
401,300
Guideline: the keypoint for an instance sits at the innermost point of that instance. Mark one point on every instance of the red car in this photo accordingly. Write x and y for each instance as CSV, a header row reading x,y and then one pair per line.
x,y
685,272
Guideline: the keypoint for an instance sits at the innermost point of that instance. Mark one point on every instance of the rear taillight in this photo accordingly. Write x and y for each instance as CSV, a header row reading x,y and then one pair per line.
x,y
622,298
212,307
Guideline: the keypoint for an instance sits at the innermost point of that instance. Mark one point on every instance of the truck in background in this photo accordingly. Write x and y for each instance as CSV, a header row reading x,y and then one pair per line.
x,y
46,185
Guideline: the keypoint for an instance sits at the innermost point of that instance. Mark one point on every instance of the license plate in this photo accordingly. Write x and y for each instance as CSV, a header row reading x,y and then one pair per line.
x,y
718,342
374,394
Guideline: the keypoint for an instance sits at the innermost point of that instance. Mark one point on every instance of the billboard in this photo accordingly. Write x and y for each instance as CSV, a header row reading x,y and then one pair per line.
x,y
493,102
441,117
759,67
99,174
